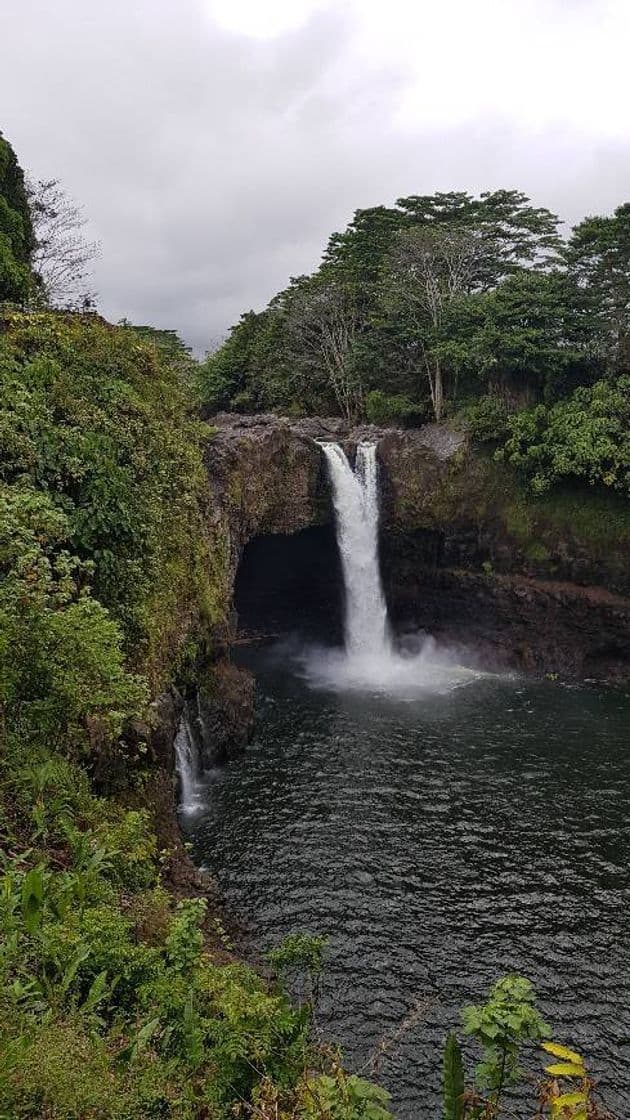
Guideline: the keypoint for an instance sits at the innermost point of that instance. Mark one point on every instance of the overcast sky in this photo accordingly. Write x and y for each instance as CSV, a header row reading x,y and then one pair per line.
x,y
215,144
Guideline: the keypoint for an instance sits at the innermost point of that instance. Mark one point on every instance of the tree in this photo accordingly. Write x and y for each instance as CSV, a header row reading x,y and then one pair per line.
x,y
398,304
515,232
598,256
62,257
428,270
360,250
16,231
535,338
241,374
321,326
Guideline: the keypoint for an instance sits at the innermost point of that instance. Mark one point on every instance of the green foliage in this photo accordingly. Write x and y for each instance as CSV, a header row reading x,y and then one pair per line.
x,y
298,963
533,337
586,436
93,960
110,1003
94,427
129,842
453,1074
61,661
501,1026
361,323
486,419
298,951
169,346
16,233
394,408
598,257
504,1025
233,377
338,1096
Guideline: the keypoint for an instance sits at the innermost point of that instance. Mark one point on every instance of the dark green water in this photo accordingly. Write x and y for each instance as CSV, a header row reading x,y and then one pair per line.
x,y
439,843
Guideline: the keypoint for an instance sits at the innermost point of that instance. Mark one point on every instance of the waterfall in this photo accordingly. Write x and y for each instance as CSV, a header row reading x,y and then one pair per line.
x,y
370,661
187,767
355,497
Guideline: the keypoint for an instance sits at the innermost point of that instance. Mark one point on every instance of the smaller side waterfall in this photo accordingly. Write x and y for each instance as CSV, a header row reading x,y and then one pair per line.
x,y
355,497
187,768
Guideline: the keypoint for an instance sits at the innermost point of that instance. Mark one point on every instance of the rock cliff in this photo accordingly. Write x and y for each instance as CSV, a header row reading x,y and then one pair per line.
x,y
467,553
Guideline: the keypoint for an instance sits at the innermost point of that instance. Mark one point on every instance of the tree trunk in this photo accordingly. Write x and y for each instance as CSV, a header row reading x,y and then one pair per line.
x,y
438,391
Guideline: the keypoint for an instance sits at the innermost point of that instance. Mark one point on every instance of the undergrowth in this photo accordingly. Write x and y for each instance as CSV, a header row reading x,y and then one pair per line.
x,y
112,1004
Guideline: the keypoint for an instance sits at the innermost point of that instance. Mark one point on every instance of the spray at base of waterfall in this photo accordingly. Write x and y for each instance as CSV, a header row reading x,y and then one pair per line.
x,y
400,673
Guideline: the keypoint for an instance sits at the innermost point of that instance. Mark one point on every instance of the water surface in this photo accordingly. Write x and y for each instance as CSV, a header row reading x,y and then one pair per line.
x,y
439,842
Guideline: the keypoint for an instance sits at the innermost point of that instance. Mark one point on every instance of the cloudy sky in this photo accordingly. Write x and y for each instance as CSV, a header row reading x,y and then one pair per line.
x,y
215,144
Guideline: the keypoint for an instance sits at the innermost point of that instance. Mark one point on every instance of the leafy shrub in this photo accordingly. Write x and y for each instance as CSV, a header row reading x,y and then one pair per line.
x,y
390,408
342,1097
486,419
61,661
504,1025
131,848
94,425
584,437
62,1071
501,1025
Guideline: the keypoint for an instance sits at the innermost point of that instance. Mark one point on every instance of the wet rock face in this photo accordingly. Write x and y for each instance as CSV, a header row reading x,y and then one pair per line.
x,y
514,622
226,711
266,477
466,553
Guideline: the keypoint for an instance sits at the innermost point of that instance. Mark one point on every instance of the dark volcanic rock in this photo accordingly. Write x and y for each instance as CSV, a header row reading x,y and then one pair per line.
x,y
226,710
466,552
515,622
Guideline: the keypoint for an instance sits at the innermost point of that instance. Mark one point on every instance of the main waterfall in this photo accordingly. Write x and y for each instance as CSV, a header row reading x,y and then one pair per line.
x,y
355,497
370,659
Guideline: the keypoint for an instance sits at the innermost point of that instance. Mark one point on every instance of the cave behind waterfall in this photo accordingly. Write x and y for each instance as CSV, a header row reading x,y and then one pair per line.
x,y
291,584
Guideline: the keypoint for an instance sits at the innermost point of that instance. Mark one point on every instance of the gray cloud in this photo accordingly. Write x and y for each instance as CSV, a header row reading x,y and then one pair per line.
x,y
213,166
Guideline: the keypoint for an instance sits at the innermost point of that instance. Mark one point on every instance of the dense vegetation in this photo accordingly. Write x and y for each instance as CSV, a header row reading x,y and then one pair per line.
x,y
110,1005
116,1003
119,999
459,308
17,242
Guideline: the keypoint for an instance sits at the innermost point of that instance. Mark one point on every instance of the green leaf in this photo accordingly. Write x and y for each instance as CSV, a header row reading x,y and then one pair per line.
x,y
33,899
453,1091
98,990
143,1038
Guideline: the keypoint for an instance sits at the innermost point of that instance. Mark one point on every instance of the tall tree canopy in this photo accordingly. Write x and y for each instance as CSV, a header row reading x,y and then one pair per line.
x,y
598,256
394,309
454,305
16,230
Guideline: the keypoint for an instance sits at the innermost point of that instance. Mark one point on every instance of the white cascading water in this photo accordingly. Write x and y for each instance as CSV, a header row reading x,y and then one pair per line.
x,y
370,659
187,768
355,497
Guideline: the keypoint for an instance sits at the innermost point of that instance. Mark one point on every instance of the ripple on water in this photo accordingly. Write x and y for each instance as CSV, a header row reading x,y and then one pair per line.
x,y
439,843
